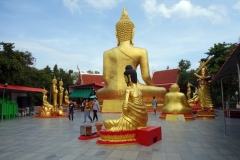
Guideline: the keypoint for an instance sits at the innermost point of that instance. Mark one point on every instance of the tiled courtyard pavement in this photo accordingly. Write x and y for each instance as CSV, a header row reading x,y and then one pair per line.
x,y
26,138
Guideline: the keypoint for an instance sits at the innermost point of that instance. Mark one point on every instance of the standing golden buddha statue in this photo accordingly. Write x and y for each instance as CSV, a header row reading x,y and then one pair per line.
x,y
115,59
54,92
61,90
204,80
189,91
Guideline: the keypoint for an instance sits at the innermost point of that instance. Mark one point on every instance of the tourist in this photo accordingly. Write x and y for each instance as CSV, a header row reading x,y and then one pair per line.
x,y
95,107
70,112
87,110
154,104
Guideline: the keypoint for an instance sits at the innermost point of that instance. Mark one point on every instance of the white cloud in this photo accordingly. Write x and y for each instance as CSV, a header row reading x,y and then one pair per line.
x,y
184,9
237,6
103,3
72,5
76,5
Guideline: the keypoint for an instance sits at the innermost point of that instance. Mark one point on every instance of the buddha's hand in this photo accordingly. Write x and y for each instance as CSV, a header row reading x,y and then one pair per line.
x,y
125,108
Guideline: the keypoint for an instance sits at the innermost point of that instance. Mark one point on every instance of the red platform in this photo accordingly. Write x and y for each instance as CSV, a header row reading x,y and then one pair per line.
x,y
87,137
149,136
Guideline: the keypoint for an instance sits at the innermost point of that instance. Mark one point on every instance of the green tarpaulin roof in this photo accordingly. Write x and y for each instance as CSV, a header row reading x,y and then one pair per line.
x,y
80,94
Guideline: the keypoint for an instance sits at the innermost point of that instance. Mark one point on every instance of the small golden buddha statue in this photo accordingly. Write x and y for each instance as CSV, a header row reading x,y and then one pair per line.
x,y
54,92
189,91
175,102
61,90
204,80
66,98
134,115
124,54
46,109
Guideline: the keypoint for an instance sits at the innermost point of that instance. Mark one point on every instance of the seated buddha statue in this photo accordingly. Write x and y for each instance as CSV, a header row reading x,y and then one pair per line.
x,y
66,98
46,109
134,115
115,59
175,101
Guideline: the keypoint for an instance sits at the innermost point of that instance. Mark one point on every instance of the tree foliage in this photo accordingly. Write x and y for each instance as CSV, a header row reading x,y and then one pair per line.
x,y
219,53
185,75
16,69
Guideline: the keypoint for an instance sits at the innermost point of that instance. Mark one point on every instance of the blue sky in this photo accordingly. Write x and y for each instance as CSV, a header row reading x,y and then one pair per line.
x,y
77,32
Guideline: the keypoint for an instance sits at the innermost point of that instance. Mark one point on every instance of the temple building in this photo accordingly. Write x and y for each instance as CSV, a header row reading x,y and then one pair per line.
x,y
165,78
90,84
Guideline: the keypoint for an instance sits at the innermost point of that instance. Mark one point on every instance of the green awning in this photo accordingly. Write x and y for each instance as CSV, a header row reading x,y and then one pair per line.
x,y
80,94
94,96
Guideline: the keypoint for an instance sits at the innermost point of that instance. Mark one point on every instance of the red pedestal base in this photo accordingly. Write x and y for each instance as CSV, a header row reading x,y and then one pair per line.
x,y
149,136
145,136
206,113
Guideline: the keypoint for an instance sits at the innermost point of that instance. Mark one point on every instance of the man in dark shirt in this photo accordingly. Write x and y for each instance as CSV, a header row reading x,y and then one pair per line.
x,y
70,113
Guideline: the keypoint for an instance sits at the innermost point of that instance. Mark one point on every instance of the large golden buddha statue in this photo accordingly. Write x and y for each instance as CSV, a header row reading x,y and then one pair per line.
x,y
134,115
115,59
176,103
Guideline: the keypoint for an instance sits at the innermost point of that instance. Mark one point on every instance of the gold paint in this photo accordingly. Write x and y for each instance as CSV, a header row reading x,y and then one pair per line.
x,y
204,85
46,109
61,90
66,98
134,112
112,105
54,92
175,101
115,60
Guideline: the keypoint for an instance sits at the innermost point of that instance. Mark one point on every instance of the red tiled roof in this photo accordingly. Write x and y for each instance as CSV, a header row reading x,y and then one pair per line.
x,y
92,78
165,78
21,88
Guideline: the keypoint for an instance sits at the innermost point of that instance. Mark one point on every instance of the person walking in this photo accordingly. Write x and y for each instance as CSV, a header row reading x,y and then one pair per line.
x,y
87,111
95,107
70,112
154,104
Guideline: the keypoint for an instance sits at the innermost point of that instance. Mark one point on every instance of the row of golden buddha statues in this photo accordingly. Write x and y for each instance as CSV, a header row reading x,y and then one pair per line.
x,y
56,109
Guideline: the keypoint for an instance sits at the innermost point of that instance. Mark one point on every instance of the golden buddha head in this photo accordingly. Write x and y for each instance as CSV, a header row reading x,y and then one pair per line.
x,y
174,88
124,28
130,75
66,92
44,91
61,83
54,80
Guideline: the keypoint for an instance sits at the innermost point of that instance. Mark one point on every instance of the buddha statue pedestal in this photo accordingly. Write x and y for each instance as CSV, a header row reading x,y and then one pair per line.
x,y
206,113
177,116
120,137
144,136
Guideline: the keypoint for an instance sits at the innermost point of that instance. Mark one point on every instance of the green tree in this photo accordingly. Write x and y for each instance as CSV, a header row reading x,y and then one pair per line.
x,y
185,75
13,63
219,53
